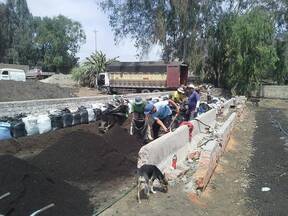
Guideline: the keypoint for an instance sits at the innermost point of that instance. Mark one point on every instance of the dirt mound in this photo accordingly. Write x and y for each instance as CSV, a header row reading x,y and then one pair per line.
x,y
63,80
31,90
31,189
81,155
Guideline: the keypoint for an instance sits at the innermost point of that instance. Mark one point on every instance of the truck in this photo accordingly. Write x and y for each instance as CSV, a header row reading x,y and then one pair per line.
x,y
38,74
142,77
12,74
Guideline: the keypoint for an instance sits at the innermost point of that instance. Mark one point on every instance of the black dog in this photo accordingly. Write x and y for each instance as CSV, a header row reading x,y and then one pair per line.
x,y
146,176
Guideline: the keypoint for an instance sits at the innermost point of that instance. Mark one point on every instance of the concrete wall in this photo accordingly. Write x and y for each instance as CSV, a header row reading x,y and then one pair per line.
x,y
160,151
42,106
227,105
273,91
203,121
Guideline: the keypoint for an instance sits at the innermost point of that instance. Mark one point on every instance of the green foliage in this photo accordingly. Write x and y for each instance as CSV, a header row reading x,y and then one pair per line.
x,y
177,25
251,53
58,40
88,72
50,43
231,43
281,73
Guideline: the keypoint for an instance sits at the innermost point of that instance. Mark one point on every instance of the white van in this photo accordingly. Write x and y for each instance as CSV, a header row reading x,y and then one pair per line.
x,y
12,74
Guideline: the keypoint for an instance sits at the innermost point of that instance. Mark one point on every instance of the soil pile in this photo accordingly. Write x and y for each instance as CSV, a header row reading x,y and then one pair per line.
x,y
31,90
63,80
31,189
81,155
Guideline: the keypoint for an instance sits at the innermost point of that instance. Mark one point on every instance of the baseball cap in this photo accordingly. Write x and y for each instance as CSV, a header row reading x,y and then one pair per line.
x,y
148,108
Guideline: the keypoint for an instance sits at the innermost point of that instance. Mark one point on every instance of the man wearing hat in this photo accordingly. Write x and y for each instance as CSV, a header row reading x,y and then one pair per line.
x,y
193,101
139,122
178,96
161,114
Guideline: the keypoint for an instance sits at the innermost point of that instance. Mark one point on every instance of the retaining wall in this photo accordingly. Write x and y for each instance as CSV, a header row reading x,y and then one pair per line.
x,y
160,151
227,105
12,108
211,153
274,91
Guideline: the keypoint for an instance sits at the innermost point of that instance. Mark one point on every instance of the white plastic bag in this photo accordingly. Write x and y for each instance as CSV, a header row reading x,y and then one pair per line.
x,y
31,125
91,115
44,124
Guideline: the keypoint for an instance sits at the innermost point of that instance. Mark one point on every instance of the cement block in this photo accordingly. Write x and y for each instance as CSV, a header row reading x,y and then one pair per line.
x,y
227,105
208,118
225,130
160,151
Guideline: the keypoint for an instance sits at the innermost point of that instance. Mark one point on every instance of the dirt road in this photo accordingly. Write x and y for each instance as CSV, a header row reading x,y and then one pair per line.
x,y
256,157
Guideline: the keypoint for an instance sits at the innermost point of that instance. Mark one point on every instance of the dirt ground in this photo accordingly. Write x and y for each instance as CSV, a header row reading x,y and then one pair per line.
x,y
96,167
256,157
86,92
33,90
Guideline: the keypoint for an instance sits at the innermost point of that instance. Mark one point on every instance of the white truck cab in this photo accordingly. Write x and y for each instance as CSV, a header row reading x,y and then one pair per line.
x,y
103,80
12,74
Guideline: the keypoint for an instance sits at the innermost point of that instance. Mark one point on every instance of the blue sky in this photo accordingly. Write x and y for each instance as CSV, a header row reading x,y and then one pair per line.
x,y
88,13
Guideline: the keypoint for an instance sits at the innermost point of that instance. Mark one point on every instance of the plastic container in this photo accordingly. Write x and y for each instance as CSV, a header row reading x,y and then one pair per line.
x,y
5,132
76,118
44,124
18,129
84,115
67,119
31,125
56,121
98,113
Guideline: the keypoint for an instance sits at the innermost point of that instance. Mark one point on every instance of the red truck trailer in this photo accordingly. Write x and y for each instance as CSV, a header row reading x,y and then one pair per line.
x,y
133,77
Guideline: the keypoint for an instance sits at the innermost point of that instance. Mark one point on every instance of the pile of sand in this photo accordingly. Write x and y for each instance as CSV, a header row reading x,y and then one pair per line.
x,y
63,80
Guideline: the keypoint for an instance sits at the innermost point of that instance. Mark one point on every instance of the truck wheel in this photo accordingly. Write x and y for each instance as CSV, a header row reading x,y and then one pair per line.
x,y
145,91
156,91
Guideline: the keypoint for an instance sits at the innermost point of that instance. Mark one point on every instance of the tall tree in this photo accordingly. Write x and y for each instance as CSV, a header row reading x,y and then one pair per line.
x,y
250,50
18,31
3,31
179,26
58,40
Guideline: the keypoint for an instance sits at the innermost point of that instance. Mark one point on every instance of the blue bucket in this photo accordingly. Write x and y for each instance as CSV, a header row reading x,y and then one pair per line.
x,y
5,132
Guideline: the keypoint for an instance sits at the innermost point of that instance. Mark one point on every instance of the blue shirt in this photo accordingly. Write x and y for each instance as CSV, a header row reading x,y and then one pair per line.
x,y
194,97
162,110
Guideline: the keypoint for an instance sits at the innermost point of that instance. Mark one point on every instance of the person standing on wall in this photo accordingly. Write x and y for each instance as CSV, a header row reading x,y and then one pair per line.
x,y
161,114
193,102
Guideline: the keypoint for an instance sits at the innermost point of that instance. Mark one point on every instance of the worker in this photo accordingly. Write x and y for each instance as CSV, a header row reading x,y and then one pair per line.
x,y
161,114
178,96
193,101
139,123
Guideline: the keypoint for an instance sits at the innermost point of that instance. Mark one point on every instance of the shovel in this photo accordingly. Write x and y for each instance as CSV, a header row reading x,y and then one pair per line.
x,y
42,209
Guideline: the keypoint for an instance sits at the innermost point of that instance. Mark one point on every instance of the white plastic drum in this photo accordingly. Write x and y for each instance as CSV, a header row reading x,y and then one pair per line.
x,y
44,124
